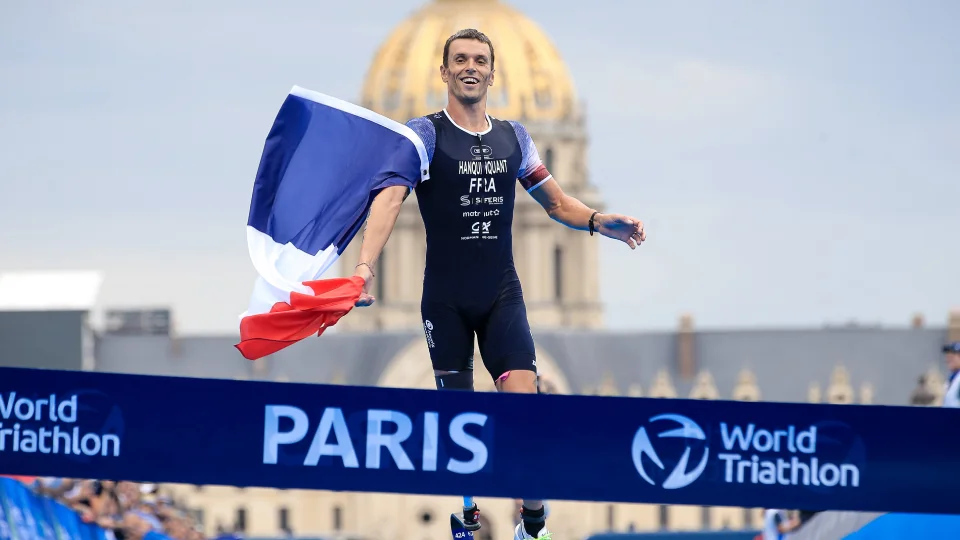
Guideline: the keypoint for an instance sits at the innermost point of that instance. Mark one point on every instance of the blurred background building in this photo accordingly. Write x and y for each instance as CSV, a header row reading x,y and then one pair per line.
x,y
384,345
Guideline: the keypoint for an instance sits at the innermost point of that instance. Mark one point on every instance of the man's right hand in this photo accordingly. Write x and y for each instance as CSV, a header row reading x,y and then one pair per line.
x,y
366,299
383,216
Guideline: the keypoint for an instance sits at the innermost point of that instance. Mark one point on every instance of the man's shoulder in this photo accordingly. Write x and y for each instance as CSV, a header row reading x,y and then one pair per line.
x,y
513,124
517,126
427,119
420,122
426,131
422,126
520,131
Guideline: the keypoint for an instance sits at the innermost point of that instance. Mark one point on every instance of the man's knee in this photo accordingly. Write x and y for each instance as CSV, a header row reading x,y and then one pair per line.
x,y
454,380
519,381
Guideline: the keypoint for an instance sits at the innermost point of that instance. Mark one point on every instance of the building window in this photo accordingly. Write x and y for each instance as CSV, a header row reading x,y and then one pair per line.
x,y
240,523
747,518
284,518
548,159
610,516
664,517
337,518
558,273
705,517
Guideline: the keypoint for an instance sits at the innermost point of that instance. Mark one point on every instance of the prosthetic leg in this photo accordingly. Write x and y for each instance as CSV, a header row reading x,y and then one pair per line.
x,y
464,524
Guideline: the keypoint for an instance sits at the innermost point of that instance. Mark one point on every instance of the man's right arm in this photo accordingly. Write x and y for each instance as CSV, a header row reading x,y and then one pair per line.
x,y
383,216
384,211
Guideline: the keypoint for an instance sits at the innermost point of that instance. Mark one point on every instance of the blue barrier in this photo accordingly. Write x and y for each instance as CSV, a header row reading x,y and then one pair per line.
x,y
288,435
679,535
26,516
899,526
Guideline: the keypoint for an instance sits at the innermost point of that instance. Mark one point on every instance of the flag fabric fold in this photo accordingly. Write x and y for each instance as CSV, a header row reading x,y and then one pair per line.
x,y
323,161
303,316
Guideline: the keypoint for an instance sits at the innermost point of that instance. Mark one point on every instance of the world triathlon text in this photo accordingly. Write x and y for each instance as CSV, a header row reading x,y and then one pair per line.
x,y
748,458
22,428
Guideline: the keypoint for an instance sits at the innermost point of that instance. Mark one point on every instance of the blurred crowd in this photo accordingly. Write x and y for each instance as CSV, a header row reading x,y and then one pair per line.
x,y
778,524
125,510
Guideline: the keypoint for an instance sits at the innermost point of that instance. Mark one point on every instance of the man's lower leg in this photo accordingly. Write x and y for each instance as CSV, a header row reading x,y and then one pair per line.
x,y
471,514
533,515
453,380
460,380
525,382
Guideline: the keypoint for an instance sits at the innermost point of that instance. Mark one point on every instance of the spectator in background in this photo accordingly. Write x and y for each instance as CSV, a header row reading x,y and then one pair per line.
x,y
922,395
777,524
951,353
223,534
125,510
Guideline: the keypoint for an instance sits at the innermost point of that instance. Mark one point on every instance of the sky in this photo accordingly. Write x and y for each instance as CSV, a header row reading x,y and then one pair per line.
x,y
796,163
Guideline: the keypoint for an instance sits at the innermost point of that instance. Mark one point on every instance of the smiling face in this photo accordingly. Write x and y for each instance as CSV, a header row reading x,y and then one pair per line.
x,y
468,69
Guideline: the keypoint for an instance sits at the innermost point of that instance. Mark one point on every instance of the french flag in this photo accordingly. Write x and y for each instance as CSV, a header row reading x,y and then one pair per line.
x,y
323,162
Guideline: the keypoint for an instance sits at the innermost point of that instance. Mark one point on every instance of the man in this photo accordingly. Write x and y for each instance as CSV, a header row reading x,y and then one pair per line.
x,y
952,396
777,524
470,283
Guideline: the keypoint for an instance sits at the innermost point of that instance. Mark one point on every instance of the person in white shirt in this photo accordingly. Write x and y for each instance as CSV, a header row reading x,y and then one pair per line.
x,y
777,523
951,353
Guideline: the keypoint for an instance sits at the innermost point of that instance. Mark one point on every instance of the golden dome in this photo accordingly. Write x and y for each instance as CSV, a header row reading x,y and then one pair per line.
x,y
531,81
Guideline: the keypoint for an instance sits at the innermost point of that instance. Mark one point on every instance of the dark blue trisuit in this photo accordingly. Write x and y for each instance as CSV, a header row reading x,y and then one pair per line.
x,y
470,284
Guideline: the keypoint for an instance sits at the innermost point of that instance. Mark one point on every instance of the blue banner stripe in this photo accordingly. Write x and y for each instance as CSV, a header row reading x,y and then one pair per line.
x,y
667,451
899,526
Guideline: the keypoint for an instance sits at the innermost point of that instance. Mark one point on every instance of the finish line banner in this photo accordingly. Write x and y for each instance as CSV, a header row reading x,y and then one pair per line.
x,y
346,438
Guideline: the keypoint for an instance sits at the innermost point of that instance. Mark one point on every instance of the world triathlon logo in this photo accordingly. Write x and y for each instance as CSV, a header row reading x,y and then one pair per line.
x,y
671,428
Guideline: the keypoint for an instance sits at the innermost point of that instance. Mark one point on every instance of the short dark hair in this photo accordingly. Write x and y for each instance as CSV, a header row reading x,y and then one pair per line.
x,y
467,33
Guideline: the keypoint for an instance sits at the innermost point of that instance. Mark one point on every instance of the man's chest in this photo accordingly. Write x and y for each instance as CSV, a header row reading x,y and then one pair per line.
x,y
476,164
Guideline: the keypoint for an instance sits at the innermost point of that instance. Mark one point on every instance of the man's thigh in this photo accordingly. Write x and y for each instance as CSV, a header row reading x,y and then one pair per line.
x,y
449,338
505,341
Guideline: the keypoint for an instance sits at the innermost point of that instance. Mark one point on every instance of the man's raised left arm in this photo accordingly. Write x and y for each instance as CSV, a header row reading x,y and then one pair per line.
x,y
566,209
571,212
